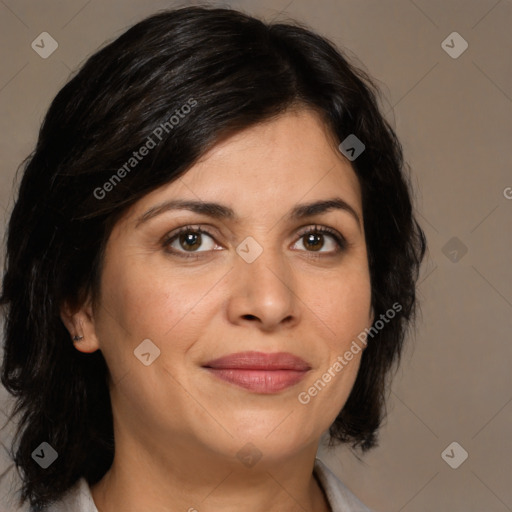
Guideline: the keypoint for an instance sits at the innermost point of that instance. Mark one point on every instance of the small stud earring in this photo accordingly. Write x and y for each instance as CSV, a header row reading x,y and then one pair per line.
x,y
78,338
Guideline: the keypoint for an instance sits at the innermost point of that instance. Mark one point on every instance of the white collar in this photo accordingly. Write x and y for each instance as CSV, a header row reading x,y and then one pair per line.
x,y
340,498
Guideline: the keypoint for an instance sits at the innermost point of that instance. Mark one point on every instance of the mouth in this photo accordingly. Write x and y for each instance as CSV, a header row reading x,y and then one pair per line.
x,y
259,372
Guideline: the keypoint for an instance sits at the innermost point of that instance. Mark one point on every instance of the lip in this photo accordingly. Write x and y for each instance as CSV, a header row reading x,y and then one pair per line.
x,y
259,361
258,371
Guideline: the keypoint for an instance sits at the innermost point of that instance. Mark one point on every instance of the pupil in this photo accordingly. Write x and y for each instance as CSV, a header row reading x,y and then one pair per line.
x,y
311,239
192,240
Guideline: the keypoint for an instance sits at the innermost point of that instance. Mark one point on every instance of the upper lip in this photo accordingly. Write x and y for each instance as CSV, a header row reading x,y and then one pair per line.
x,y
259,361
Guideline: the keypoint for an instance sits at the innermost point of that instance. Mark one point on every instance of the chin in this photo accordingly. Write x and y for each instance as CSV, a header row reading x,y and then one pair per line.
x,y
274,437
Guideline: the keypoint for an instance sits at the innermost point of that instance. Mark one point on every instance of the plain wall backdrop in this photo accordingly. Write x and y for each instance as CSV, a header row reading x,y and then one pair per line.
x,y
452,110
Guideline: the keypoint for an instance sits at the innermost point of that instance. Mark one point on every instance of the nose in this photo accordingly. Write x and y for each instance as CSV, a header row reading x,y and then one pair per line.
x,y
262,293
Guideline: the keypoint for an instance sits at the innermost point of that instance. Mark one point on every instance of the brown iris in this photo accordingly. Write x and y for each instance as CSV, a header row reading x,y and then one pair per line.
x,y
311,238
190,240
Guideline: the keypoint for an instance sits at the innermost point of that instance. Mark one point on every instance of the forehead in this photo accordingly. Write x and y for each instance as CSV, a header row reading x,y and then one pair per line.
x,y
295,143
266,167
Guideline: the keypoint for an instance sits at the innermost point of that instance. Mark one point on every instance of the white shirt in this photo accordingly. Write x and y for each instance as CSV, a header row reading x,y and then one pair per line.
x,y
79,498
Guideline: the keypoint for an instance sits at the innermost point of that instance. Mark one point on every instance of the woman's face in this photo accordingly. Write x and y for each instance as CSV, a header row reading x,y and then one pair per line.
x,y
251,282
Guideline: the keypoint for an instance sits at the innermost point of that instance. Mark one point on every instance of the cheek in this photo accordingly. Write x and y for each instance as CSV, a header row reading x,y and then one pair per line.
x,y
344,307
347,302
144,298
343,303
353,312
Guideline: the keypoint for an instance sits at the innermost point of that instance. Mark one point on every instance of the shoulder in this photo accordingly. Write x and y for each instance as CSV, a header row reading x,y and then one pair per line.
x,y
10,484
340,498
76,499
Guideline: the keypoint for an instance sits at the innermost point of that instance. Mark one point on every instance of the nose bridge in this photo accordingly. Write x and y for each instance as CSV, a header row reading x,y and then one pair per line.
x,y
263,265
263,282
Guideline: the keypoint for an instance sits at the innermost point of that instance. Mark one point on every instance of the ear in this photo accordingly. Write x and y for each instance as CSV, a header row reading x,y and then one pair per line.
x,y
80,322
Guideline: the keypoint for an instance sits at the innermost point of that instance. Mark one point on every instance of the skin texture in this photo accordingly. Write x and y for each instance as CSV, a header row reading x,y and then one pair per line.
x,y
177,427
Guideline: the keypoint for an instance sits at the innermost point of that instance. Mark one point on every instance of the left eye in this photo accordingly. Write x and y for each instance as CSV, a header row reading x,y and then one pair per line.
x,y
314,240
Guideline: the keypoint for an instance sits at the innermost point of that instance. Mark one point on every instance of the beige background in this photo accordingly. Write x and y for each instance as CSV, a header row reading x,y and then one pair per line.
x,y
454,117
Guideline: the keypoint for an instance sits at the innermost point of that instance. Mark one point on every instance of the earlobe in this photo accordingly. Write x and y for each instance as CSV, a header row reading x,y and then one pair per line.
x,y
80,325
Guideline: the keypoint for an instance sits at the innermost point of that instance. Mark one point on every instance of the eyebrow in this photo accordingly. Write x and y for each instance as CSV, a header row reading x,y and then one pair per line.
x,y
219,211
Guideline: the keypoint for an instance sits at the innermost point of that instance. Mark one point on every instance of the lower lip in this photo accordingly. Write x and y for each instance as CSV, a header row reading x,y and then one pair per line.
x,y
260,381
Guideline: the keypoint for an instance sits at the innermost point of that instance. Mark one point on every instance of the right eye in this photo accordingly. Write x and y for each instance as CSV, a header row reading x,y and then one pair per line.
x,y
188,237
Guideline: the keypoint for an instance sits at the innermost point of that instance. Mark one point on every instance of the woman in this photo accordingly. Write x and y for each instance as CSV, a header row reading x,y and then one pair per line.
x,y
211,262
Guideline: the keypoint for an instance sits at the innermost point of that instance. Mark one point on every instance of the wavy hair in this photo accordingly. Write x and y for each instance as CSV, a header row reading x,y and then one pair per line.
x,y
241,71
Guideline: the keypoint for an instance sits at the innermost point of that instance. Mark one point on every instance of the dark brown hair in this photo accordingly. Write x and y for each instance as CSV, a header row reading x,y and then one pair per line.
x,y
239,71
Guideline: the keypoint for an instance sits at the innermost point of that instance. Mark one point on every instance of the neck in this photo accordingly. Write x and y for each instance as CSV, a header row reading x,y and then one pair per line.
x,y
151,478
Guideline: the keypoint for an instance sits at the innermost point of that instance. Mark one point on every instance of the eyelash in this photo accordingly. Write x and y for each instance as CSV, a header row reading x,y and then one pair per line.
x,y
341,242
